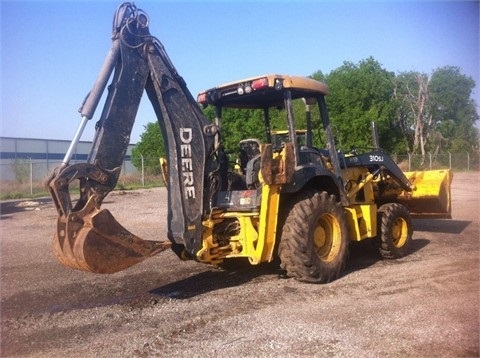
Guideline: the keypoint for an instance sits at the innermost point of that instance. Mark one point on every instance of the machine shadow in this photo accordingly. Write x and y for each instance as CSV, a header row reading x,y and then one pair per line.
x,y
10,207
15,206
365,253
217,279
362,255
447,226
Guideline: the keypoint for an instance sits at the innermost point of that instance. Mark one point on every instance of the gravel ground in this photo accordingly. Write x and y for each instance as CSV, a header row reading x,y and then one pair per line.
x,y
425,304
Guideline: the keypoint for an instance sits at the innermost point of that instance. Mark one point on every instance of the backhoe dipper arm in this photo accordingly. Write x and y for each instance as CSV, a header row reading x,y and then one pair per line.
x,y
138,62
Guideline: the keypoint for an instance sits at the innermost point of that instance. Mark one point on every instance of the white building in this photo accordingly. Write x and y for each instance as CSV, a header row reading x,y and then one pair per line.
x,y
44,155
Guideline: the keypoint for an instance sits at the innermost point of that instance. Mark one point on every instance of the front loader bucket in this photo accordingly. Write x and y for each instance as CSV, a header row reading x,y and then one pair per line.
x,y
431,197
97,243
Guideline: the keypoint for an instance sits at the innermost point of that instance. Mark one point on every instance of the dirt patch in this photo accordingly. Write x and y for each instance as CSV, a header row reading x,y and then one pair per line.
x,y
425,304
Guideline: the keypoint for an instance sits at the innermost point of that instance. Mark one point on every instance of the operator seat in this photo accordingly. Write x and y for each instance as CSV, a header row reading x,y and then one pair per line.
x,y
249,157
249,149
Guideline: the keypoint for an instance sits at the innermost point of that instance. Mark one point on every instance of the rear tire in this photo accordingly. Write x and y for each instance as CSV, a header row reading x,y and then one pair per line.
x,y
314,240
394,230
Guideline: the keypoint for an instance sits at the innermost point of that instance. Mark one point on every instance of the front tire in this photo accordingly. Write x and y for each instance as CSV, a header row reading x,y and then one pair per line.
x,y
394,230
314,240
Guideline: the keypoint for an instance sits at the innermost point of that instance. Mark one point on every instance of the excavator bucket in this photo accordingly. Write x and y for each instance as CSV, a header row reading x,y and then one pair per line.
x,y
431,197
94,241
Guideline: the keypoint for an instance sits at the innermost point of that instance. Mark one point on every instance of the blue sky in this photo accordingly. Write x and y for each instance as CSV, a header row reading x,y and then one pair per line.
x,y
51,51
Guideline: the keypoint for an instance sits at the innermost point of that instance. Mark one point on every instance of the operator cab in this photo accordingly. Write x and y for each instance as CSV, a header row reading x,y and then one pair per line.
x,y
270,93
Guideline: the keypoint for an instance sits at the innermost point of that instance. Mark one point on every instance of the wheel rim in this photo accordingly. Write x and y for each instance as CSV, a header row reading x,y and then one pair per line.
x,y
399,232
327,237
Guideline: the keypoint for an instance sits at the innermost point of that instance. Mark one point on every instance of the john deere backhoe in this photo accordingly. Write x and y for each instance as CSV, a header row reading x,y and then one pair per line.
x,y
284,197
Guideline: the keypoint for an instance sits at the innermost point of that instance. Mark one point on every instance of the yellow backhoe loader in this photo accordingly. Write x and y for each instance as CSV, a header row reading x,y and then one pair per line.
x,y
286,198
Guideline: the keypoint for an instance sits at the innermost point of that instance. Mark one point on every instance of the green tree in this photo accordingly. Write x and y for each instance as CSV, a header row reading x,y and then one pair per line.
x,y
238,124
413,112
453,110
361,94
319,76
151,147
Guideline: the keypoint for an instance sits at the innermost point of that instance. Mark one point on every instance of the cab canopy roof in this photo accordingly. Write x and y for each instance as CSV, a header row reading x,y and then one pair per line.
x,y
262,91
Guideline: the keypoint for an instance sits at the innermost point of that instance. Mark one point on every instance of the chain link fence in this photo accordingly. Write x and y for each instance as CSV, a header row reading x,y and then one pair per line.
x,y
26,177
461,161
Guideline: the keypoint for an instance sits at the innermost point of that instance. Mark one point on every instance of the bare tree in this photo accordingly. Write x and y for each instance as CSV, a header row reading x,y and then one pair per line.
x,y
411,92
435,112
418,105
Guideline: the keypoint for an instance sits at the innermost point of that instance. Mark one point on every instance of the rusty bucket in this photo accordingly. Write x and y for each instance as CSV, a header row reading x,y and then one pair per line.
x,y
92,240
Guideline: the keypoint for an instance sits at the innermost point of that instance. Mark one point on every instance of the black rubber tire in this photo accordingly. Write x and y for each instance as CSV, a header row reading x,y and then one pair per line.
x,y
314,239
394,230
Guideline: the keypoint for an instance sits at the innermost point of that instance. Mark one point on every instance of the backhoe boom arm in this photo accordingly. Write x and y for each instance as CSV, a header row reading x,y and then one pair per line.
x,y
138,62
